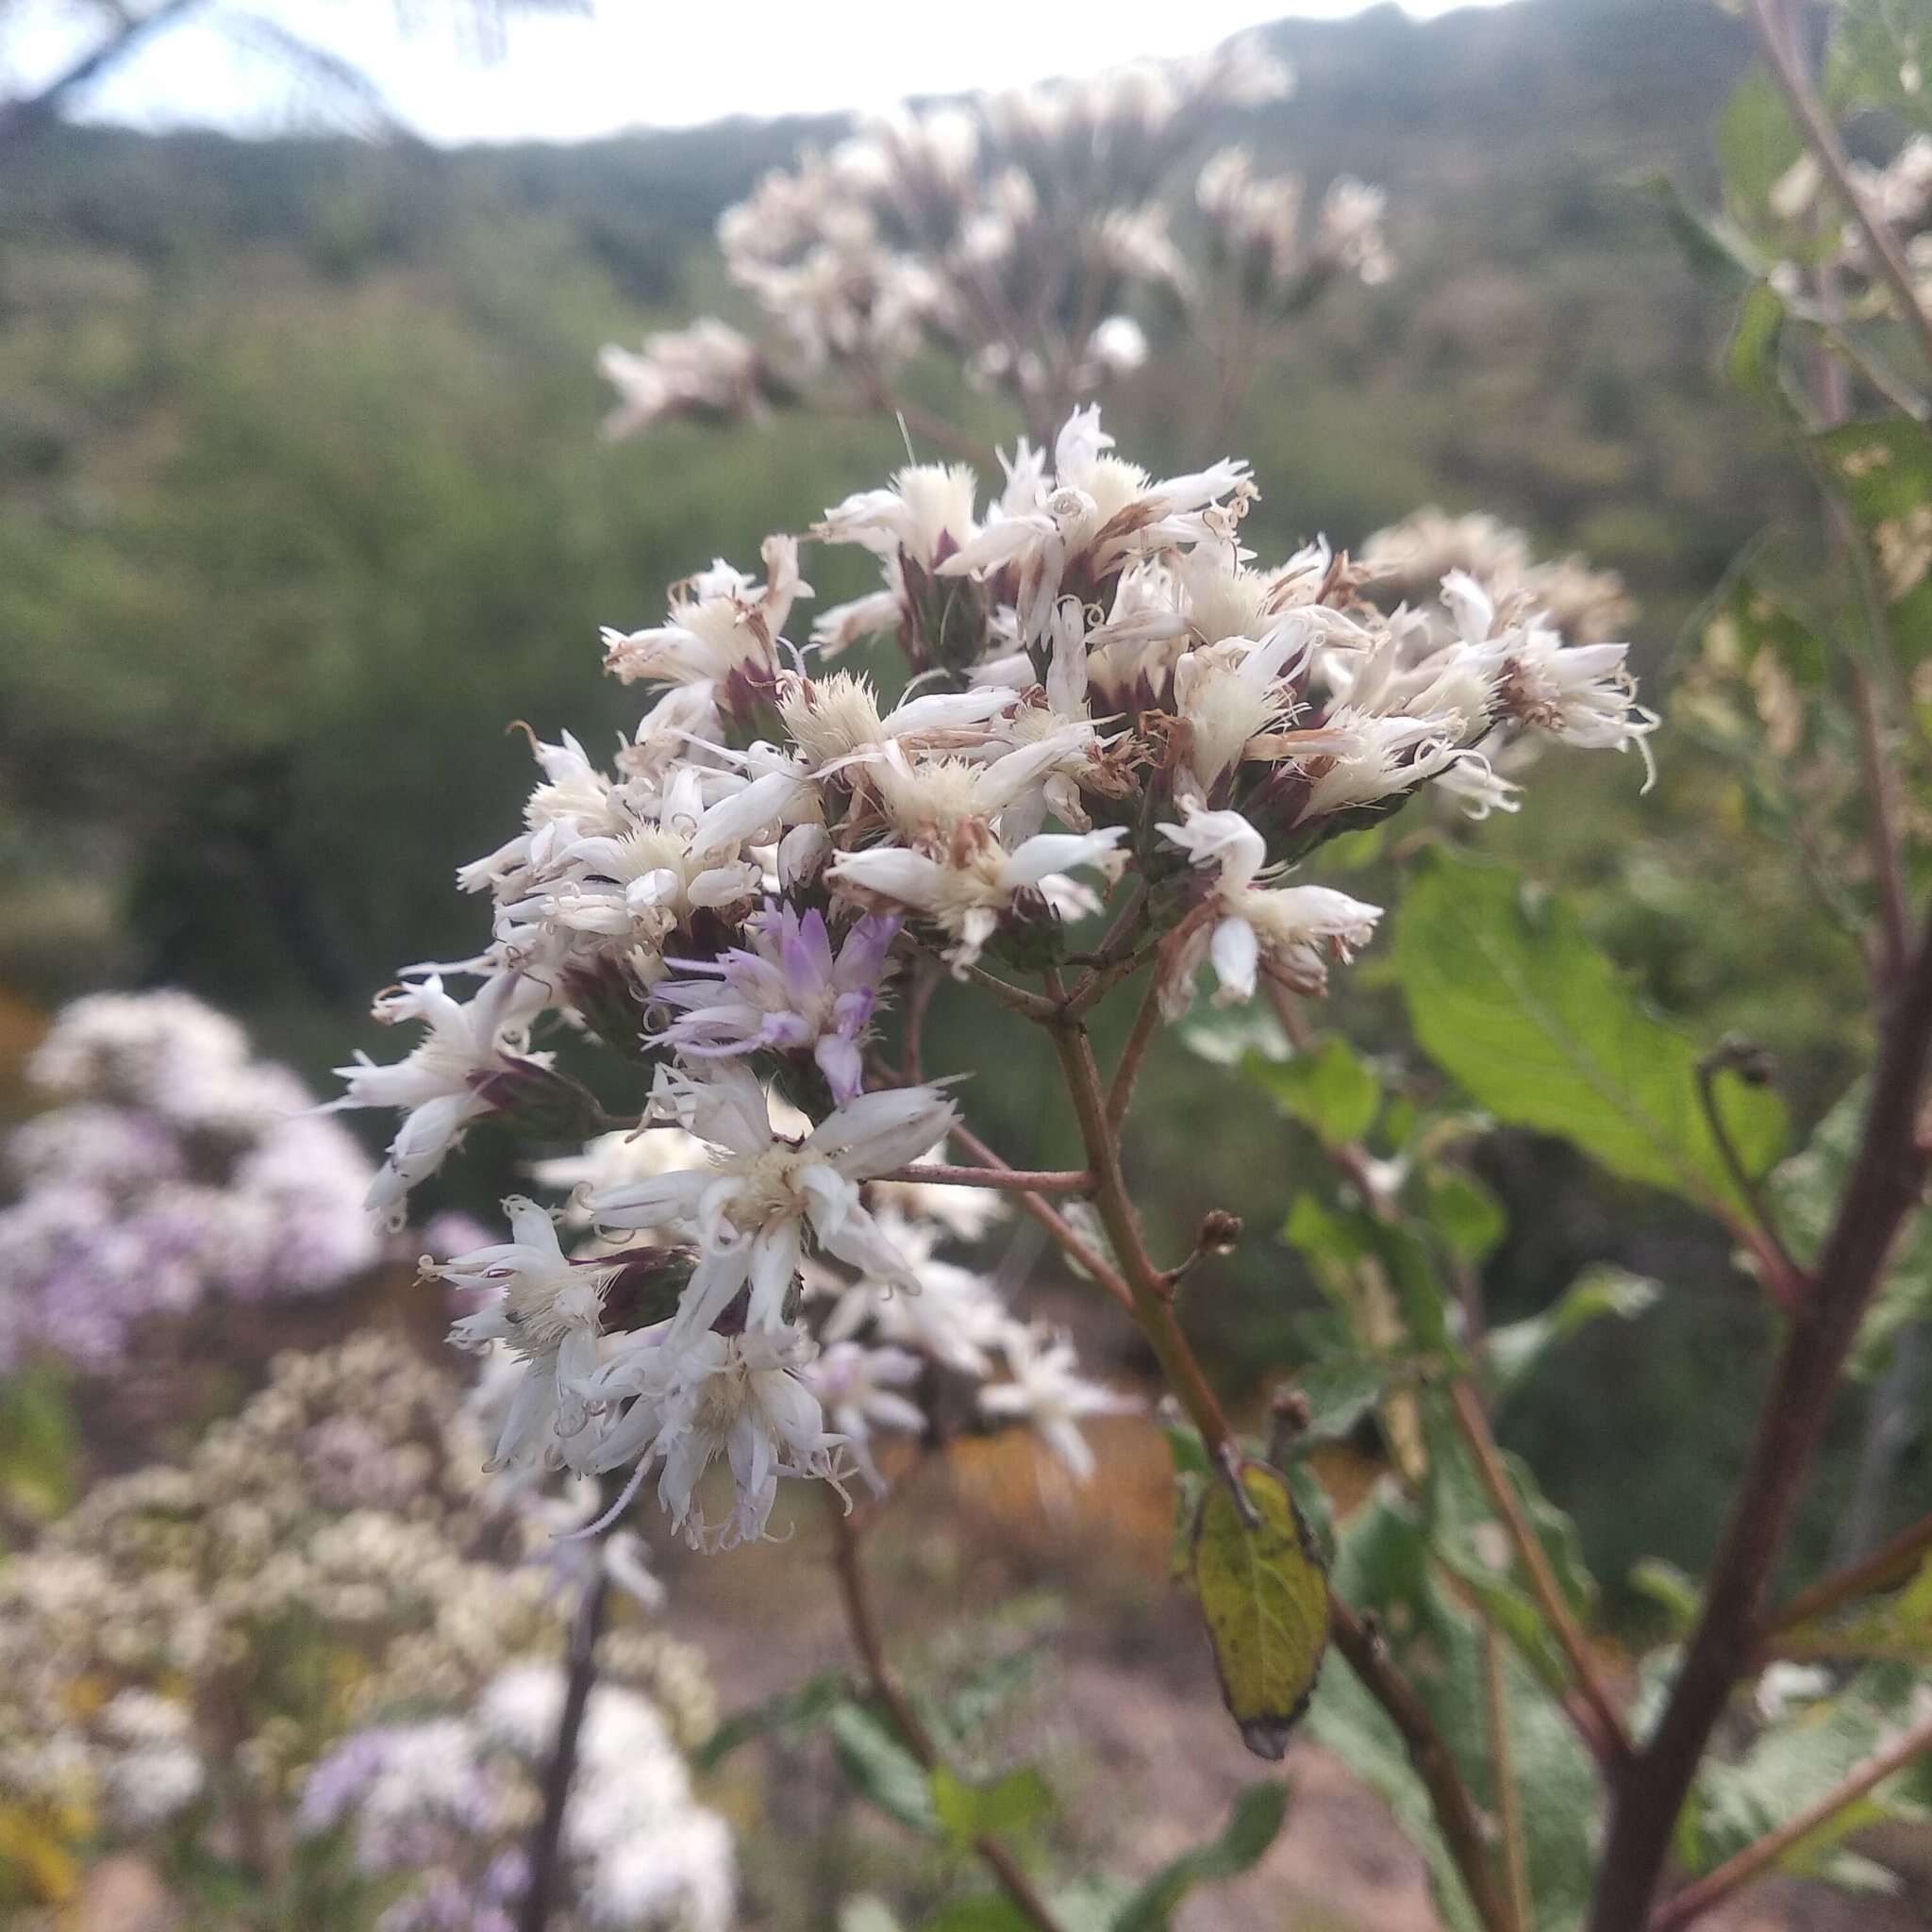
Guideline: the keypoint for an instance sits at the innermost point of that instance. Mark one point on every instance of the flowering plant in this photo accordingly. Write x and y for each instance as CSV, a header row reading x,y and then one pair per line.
x,y
1115,748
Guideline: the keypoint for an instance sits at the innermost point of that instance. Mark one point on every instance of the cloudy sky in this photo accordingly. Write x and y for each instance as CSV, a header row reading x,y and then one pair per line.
x,y
635,62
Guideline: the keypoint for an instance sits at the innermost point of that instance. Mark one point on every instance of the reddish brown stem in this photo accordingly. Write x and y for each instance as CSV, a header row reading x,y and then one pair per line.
x,y
1120,1095
1012,1180
1883,1187
861,1622
1716,1886
1613,1740
1151,1295
542,1897
1885,1567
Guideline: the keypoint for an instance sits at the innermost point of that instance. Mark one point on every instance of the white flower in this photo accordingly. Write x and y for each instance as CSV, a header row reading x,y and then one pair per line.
x,y
735,1395
860,1389
1283,930
1048,1394
550,1311
968,890
721,623
445,1083
751,1209
707,369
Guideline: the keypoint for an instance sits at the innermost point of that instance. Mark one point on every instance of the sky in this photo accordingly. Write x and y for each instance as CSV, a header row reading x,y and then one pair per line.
x,y
633,62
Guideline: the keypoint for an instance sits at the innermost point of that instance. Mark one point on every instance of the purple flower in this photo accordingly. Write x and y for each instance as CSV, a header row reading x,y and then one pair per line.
x,y
786,991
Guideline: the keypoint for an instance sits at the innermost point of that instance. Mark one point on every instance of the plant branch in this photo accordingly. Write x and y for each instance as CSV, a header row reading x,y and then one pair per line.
x,y
1153,1303
1455,1811
1081,1251
1884,1568
1120,1095
1509,1809
1013,1180
1716,1886
863,1623
1784,1280
1884,1184
1821,137
1474,1427
546,1847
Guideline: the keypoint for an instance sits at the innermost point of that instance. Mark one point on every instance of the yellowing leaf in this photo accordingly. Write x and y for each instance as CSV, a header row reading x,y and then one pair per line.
x,y
1264,1597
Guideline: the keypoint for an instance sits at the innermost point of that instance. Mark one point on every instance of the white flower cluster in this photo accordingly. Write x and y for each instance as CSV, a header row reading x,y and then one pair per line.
x,y
332,1555
1015,234
1897,195
1104,681
445,1805
174,1169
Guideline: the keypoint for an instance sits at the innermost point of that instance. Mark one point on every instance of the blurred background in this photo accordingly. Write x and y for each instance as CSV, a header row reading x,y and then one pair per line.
x,y
302,506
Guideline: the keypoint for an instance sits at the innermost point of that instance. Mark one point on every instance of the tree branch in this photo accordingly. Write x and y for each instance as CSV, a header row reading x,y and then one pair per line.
x,y
1884,1568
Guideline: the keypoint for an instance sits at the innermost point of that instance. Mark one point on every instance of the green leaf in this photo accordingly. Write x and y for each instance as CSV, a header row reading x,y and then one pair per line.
x,y
1884,472
1756,144
1752,363
801,1708
1264,1598
1805,1194
1674,1592
967,1812
1468,1217
1340,1390
989,1911
1508,996
1327,1088
881,1769
1516,1350
1252,1826
1713,245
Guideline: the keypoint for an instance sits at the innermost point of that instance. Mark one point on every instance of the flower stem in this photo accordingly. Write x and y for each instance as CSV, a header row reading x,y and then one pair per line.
x,y
1509,1809
1366,1654
1016,1180
546,1846
861,1621
1887,1566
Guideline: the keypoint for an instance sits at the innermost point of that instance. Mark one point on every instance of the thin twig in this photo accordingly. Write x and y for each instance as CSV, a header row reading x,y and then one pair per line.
x,y
1151,1289
1012,1180
1474,1427
1891,1564
1716,1886
1120,1095
1784,1280
861,1621
546,1847
1822,138
1081,1251
1509,1807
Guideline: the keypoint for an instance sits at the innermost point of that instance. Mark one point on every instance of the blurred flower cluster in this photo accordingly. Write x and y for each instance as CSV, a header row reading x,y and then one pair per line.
x,y
444,1804
1020,236
1100,681
173,1169
179,1649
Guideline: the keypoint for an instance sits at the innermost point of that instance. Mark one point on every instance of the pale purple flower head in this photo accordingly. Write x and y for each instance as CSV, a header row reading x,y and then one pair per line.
x,y
787,991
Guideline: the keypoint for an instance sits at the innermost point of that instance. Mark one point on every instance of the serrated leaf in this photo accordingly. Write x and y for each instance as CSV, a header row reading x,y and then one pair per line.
x,y
1327,1088
1264,1598
1508,996
967,1812
881,1769
1516,1350
1253,1825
